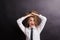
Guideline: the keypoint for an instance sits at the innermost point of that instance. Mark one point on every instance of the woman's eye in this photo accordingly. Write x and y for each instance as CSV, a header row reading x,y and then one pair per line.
x,y
30,20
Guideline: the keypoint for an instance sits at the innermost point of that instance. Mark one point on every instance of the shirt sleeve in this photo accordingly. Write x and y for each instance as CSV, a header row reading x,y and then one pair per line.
x,y
19,22
43,22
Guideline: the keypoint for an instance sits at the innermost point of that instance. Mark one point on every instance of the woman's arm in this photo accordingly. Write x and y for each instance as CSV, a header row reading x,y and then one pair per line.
x,y
43,22
19,22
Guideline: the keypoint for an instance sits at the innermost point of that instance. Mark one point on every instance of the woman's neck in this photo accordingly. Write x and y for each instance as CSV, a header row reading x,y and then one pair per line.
x,y
32,26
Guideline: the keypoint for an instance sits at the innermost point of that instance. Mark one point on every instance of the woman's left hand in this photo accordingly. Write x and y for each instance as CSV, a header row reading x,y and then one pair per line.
x,y
35,14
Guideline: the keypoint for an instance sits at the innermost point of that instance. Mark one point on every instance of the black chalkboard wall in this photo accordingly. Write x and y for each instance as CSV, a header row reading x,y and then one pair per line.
x,y
11,10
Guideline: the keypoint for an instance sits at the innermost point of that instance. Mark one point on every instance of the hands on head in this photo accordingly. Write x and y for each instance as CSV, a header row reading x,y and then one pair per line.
x,y
32,14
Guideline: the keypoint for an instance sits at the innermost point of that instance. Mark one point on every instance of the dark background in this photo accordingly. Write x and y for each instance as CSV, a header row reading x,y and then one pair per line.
x,y
11,10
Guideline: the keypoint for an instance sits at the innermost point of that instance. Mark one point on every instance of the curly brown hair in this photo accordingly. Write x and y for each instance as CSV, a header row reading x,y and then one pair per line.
x,y
36,19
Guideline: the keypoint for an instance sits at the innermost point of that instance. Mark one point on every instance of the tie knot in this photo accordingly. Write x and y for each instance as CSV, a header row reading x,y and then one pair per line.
x,y
31,28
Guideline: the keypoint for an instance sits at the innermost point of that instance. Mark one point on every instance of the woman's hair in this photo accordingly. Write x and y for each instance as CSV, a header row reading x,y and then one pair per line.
x,y
36,19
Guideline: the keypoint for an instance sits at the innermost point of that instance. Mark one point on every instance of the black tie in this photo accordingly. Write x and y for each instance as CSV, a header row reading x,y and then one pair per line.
x,y
31,37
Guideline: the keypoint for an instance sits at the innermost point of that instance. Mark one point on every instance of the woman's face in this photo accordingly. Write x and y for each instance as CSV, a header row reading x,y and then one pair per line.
x,y
31,21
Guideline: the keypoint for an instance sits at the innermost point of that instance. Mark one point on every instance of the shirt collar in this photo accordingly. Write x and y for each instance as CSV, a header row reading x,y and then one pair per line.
x,y
32,27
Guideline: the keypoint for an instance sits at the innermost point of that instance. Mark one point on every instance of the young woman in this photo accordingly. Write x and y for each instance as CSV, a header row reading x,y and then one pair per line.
x,y
34,23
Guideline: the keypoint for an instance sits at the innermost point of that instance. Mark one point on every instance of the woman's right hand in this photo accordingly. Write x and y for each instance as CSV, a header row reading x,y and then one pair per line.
x,y
29,15
35,14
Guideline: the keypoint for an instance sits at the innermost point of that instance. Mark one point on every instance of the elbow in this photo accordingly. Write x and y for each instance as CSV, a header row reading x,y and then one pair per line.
x,y
45,18
17,20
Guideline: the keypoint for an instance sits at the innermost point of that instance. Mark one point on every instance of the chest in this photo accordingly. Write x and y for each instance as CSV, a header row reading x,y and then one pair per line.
x,y
36,34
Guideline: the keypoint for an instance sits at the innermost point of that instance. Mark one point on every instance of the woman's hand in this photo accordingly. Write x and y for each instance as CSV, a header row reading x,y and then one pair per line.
x,y
29,15
35,14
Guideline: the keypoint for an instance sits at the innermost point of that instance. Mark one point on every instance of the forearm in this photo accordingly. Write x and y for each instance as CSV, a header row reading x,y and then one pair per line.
x,y
43,22
43,18
19,22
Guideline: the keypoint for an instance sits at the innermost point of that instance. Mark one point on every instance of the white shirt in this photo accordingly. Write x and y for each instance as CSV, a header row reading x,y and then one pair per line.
x,y
36,31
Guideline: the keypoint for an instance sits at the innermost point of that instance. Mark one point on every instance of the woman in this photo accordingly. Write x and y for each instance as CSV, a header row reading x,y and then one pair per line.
x,y
32,23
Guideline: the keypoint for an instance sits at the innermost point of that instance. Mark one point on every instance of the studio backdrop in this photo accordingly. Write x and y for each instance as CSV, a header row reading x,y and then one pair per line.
x,y
11,10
